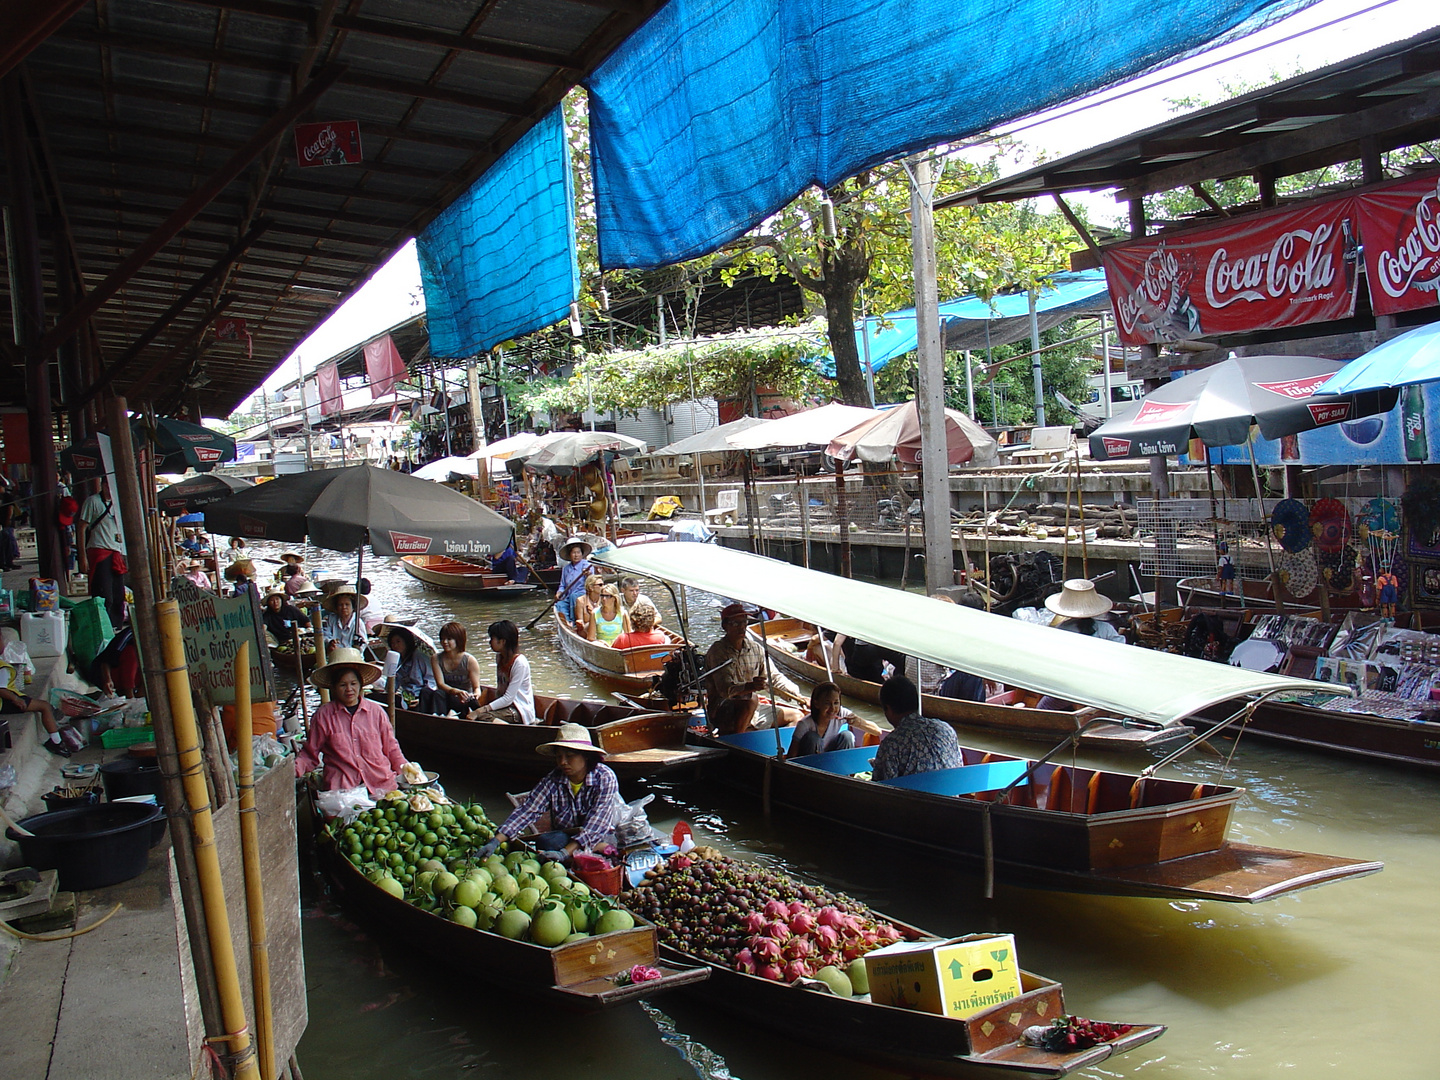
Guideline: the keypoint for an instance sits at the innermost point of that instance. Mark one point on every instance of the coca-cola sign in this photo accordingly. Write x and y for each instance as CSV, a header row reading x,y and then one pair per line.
x,y
1282,268
336,142
1401,227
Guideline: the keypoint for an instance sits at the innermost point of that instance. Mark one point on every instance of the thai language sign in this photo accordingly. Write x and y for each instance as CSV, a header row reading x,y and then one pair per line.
x,y
213,627
1400,224
1278,269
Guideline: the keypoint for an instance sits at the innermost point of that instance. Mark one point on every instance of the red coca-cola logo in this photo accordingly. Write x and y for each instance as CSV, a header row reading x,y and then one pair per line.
x,y
1115,447
1157,412
409,543
317,147
1414,261
1295,389
1330,413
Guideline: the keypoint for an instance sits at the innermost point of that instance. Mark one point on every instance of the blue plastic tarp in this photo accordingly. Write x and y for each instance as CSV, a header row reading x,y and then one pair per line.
x,y
1069,294
500,261
716,113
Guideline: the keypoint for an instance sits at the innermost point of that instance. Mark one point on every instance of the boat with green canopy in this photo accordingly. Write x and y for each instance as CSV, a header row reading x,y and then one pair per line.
x,y
1026,821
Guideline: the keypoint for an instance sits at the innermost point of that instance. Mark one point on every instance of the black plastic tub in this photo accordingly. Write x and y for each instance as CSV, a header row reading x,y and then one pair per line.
x,y
91,847
55,801
130,776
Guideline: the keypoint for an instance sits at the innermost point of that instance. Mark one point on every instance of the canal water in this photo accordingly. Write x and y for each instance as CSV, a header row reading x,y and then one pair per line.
x,y
1337,981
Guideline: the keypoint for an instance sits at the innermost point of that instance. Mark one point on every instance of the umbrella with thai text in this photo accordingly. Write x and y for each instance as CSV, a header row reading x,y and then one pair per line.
x,y
1219,404
178,445
198,491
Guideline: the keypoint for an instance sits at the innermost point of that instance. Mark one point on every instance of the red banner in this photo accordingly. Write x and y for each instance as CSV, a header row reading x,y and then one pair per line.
x,y
1401,228
1283,268
334,143
327,379
384,366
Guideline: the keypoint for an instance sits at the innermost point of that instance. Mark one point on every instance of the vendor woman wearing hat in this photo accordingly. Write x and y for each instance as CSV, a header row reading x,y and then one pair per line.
x,y
343,627
242,573
572,576
1080,609
580,794
352,732
280,616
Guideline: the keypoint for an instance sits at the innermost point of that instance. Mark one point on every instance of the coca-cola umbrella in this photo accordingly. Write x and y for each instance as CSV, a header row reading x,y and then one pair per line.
x,y
344,509
1218,405
198,491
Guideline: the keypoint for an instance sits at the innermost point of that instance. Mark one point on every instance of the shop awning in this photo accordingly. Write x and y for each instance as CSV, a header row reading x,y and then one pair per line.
x,y
1124,679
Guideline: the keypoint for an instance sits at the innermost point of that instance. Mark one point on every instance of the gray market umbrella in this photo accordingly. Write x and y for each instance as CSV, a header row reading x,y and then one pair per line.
x,y
178,444
198,491
343,509
573,450
1218,404
712,440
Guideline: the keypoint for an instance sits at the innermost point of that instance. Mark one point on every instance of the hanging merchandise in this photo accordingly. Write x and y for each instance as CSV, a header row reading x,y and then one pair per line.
x,y
1298,572
1420,506
1291,522
1330,525
1381,523
1338,567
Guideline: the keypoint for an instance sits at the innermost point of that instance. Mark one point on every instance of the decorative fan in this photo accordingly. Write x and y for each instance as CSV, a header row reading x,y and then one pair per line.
x,y
1298,572
1338,568
1330,525
1291,521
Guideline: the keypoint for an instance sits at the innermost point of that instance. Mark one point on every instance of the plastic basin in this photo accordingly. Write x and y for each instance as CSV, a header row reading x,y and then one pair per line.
x,y
130,776
91,847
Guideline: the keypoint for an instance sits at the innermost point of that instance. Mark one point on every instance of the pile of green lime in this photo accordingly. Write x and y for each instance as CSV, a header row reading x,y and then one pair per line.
x,y
424,850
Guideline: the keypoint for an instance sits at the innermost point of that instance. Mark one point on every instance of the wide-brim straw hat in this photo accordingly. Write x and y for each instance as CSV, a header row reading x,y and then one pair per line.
x,y
276,590
575,541
1077,599
571,737
291,556
240,568
326,674
418,638
361,603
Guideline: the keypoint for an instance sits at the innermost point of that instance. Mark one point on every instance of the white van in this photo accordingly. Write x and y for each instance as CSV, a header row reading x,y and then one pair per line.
x,y
1123,392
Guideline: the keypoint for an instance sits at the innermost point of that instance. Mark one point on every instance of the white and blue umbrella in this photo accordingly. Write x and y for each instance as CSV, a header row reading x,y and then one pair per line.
x,y
1413,357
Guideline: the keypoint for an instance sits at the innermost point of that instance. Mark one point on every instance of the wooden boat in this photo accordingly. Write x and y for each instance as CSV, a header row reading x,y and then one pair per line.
x,y
630,670
283,657
908,1041
1070,828
1011,712
637,742
443,572
577,975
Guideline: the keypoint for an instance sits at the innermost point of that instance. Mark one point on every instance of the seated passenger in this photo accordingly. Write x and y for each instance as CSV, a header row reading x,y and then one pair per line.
x,y
512,701
962,686
415,677
1080,609
642,620
916,744
630,596
823,729
609,619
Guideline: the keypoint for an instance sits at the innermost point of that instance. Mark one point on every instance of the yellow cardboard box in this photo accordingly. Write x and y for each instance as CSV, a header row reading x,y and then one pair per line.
x,y
955,978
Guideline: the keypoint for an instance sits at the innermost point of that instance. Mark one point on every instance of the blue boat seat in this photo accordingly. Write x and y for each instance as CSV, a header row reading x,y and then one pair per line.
x,y
843,762
761,741
966,780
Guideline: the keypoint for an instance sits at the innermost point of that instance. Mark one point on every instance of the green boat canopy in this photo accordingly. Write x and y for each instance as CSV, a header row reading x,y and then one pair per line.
x,y
1123,679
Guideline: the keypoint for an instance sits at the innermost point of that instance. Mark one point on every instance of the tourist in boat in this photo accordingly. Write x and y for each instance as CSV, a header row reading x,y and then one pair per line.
x,y
963,686
350,734
823,728
572,576
343,627
587,606
415,671
504,563
608,622
580,796
194,572
916,744
513,699
867,662
643,630
737,674
457,673
630,595
1081,609
280,616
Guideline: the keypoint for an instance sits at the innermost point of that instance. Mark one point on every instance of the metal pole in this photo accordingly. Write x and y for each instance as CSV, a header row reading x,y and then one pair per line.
x,y
930,399
1105,352
969,386
304,419
1035,371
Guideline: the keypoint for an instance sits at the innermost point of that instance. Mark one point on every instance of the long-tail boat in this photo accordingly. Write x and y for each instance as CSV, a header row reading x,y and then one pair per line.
x,y
631,670
455,575
1031,822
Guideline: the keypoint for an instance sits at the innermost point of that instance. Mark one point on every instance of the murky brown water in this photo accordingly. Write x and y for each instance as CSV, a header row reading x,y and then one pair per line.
x,y
1339,981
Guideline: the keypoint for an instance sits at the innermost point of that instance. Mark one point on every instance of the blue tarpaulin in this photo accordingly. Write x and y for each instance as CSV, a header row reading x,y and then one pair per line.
x,y
716,113
501,260
971,323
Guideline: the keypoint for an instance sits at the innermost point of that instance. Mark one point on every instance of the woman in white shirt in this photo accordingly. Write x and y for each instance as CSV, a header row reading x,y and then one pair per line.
x,y
824,729
513,699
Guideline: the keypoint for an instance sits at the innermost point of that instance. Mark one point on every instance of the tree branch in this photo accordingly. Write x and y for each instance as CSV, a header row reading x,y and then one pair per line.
x,y
802,278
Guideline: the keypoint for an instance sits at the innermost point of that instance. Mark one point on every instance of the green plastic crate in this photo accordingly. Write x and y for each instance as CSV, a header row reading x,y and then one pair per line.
x,y
126,736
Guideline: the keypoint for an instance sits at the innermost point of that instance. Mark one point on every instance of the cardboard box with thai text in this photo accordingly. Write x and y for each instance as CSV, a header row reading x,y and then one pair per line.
x,y
955,978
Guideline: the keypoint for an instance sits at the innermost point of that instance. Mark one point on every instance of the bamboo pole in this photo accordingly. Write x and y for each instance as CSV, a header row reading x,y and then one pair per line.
x,y
317,620
207,856
157,690
250,850
985,512
300,678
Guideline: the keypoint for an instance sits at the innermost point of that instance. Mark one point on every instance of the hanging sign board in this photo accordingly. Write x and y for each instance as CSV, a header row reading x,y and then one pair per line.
x,y
1401,227
1285,268
336,142
213,627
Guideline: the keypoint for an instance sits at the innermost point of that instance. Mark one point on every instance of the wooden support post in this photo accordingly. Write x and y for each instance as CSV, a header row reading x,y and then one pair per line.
x,y
250,852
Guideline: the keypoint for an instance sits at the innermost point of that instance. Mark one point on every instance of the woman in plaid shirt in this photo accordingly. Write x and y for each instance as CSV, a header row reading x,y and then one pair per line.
x,y
580,794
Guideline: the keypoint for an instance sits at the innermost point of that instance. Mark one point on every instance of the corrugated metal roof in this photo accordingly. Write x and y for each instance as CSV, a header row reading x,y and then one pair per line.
x,y
133,104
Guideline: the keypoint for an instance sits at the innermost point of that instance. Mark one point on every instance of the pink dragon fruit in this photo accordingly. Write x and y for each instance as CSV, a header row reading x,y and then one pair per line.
x,y
795,907
745,961
797,969
802,922
798,949
771,972
779,930
754,922
774,909
829,916
826,938
767,949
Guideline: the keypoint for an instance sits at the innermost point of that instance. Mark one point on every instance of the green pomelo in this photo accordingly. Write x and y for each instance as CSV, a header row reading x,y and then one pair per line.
x,y
391,886
577,936
465,916
836,979
526,899
482,877
494,863
579,888
512,924
514,859
615,920
578,918
468,893
530,866
560,885
536,882
859,976
551,928
425,877
505,887
444,883
486,914
552,870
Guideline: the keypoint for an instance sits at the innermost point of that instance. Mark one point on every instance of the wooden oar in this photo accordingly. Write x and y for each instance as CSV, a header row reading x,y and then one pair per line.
x,y
553,601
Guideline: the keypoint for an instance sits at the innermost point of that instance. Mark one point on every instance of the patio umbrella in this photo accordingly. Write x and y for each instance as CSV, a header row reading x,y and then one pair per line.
x,y
896,433
344,509
189,495
814,427
1413,357
1218,405
518,443
571,450
442,469
712,440
179,446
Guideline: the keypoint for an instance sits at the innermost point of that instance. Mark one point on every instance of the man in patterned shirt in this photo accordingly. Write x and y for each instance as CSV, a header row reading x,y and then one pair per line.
x,y
580,794
916,744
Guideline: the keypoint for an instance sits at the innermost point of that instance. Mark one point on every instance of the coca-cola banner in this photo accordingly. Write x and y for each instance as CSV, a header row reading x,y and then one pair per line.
x,y
1283,268
1400,225
335,142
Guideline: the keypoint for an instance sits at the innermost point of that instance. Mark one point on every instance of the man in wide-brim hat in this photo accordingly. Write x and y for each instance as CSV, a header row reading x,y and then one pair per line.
x,y
1080,607
343,627
580,795
353,733
575,568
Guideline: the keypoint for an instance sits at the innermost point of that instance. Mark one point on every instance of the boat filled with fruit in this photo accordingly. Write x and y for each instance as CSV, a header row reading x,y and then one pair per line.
x,y
823,967
411,864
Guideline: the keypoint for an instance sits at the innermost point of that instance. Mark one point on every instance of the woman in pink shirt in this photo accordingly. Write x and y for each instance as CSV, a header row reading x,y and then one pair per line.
x,y
351,731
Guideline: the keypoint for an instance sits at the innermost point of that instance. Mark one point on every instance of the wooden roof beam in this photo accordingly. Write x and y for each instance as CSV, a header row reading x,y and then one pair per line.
x,y
221,179
149,375
24,27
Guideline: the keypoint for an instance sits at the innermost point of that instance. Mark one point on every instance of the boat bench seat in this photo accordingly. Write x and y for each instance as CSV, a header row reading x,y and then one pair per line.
x,y
760,741
966,780
843,762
